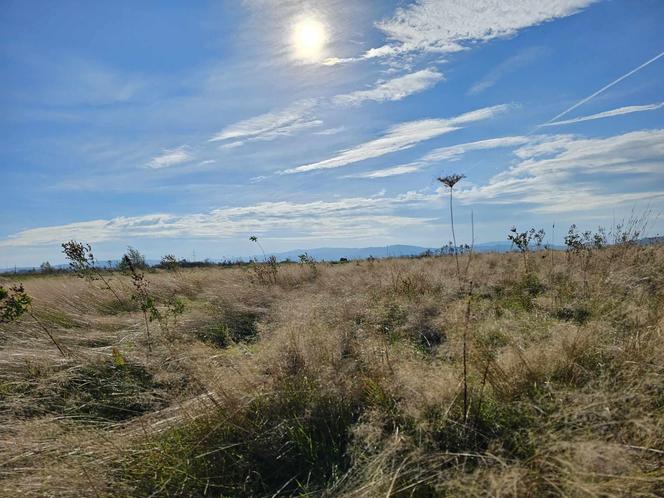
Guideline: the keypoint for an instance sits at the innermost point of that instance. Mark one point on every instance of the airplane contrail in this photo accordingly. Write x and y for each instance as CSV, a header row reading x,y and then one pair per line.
x,y
581,102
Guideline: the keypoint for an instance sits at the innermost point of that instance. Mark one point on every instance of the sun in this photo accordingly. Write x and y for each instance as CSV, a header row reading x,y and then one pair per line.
x,y
309,38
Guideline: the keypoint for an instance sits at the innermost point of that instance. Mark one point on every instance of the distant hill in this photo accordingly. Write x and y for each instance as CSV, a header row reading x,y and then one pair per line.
x,y
336,253
392,251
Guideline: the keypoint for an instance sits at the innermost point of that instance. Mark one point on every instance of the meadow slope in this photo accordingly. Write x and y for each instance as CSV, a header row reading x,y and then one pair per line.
x,y
344,380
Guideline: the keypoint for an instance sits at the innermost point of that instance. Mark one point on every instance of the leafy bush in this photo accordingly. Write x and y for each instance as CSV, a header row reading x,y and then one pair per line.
x,y
132,258
14,302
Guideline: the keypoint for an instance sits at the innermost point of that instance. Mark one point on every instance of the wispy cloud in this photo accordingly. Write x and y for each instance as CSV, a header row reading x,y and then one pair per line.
x,y
455,151
271,125
330,131
171,157
451,25
608,114
606,87
400,137
300,115
511,64
386,172
450,153
372,216
563,173
232,145
394,89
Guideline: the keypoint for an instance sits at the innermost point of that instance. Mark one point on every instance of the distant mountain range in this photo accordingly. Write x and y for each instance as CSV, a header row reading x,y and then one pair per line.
x,y
336,253
391,251
319,253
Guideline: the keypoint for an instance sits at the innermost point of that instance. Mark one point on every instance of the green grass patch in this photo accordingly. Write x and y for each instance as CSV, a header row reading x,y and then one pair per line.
x,y
59,319
518,296
233,326
290,441
578,314
502,426
102,392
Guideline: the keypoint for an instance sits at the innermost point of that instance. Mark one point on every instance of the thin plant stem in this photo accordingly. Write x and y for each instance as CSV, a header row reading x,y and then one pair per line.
x,y
456,252
108,286
255,239
147,330
48,332
478,413
472,243
465,356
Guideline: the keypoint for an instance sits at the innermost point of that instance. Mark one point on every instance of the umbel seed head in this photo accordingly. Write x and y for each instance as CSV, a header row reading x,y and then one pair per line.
x,y
451,180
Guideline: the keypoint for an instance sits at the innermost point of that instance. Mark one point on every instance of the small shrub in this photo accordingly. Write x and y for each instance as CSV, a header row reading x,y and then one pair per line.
x,y
132,258
46,268
169,262
310,263
14,302
82,261
522,241
265,273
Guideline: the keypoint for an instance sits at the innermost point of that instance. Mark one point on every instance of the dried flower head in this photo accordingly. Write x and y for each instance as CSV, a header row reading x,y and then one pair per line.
x,y
451,180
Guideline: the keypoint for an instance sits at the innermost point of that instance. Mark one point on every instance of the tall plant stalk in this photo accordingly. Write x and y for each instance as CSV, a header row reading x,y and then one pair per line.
x,y
253,238
450,181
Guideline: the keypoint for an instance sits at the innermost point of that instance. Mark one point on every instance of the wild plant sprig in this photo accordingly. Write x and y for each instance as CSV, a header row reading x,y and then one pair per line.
x,y
522,241
15,302
83,263
142,296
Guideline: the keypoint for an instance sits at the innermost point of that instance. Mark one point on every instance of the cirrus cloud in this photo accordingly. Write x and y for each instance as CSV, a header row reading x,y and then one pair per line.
x,y
400,137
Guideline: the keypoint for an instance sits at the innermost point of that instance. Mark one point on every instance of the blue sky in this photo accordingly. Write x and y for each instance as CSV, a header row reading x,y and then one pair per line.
x,y
189,126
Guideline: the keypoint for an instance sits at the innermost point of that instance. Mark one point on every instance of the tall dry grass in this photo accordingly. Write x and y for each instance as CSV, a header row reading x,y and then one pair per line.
x,y
346,381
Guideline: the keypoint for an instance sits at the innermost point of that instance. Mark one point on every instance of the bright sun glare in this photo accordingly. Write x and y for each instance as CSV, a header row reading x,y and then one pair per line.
x,y
309,38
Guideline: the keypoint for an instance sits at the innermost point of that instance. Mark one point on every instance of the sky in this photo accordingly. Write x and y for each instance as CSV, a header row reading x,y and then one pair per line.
x,y
187,127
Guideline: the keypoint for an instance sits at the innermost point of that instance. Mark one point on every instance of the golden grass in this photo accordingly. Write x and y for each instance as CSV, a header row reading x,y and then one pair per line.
x,y
566,385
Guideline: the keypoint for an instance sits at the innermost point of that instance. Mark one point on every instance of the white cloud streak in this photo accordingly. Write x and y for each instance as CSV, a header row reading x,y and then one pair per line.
x,y
453,152
452,25
608,114
511,64
299,116
386,172
371,216
606,87
564,173
400,137
394,89
169,158
271,125
450,153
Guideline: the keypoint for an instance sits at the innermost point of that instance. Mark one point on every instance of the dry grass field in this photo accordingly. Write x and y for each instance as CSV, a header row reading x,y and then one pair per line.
x,y
344,380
